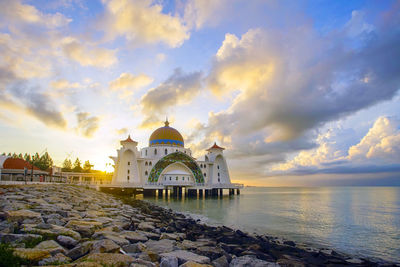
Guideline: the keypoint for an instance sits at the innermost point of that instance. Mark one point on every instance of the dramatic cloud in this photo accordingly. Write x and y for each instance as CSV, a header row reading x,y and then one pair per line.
x,y
87,125
141,21
88,55
179,88
293,88
127,83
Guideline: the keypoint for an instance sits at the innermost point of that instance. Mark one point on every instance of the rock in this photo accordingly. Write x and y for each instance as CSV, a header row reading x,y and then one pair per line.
x,y
80,250
220,262
132,248
32,254
8,227
105,246
146,226
290,263
140,262
110,259
161,246
169,236
56,260
326,251
354,261
134,237
115,238
211,252
194,264
169,262
54,231
66,241
250,261
184,256
289,243
18,238
22,215
52,246
152,236
85,228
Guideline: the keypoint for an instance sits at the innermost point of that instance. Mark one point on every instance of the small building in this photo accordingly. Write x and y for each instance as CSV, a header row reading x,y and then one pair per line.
x,y
16,169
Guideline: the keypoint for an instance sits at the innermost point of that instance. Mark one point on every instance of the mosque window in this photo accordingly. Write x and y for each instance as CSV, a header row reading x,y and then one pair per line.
x,y
205,175
170,178
177,150
183,178
128,171
218,167
218,174
184,151
177,178
129,163
166,151
165,178
127,177
155,151
219,180
146,164
146,173
145,152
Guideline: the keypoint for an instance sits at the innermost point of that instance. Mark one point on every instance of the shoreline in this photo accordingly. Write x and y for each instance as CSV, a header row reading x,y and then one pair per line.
x,y
71,225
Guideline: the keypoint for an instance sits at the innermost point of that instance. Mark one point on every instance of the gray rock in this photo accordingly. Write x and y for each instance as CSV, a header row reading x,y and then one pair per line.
x,y
52,246
66,241
105,246
80,250
251,261
18,238
146,226
132,248
140,262
134,237
161,246
220,262
169,262
8,227
184,256
354,261
56,260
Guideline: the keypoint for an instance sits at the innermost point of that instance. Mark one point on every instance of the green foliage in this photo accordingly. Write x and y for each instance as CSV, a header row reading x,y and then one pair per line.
x,y
87,167
77,166
7,257
67,166
31,243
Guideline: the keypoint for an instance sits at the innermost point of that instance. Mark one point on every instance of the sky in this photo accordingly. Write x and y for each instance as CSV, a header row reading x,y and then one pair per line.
x,y
300,93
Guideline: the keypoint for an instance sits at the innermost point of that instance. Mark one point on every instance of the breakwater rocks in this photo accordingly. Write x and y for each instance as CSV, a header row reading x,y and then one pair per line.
x,y
73,226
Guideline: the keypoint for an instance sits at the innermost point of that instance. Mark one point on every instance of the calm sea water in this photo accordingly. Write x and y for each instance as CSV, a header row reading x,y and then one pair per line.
x,y
361,221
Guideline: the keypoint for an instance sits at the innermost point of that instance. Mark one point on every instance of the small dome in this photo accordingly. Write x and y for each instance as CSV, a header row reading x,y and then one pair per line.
x,y
166,136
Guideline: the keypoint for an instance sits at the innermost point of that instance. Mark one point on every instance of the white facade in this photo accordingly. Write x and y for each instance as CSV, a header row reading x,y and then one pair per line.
x,y
168,164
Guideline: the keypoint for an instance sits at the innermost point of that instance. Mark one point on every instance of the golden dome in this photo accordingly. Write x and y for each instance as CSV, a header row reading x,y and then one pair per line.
x,y
166,136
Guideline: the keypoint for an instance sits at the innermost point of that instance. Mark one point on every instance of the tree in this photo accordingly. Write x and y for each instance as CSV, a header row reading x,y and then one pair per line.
x,y
77,166
87,167
44,162
67,166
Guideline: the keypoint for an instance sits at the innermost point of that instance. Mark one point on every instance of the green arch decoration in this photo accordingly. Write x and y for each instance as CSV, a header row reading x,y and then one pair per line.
x,y
173,158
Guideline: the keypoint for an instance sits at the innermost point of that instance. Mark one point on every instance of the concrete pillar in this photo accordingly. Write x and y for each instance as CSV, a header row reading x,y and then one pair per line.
x,y
200,193
221,192
238,191
206,193
160,193
231,192
180,191
175,191
214,192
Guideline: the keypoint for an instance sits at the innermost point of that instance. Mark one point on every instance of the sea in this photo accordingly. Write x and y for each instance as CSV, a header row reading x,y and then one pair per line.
x,y
359,221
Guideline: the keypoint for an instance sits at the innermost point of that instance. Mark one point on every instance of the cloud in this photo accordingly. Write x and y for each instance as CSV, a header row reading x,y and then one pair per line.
x,y
141,21
179,88
64,84
198,13
122,131
14,12
380,144
127,83
88,55
87,125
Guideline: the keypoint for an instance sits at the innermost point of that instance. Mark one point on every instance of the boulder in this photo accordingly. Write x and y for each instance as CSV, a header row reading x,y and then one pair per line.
x,y
120,240
161,246
146,226
110,259
250,261
184,256
32,254
134,237
211,252
52,246
22,215
56,260
85,228
220,262
141,263
80,250
66,241
170,236
105,246
18,238
194,264
290,263
169,262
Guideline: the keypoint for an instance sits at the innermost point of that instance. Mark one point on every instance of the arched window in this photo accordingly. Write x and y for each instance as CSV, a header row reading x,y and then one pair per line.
x,y
129,163
184,151
146,173
183,178
166,151
146,163
165,178
218,167
150,163
201,165
155,151
205,175
218,174
128,171
146,152
170,178
177,150
127,177
218,180
177,178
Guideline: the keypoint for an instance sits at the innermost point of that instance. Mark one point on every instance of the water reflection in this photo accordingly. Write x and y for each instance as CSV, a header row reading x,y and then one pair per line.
x,y
363,221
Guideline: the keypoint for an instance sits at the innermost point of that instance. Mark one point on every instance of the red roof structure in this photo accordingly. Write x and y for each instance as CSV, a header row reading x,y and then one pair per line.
x,y
128,140
215,146
18,164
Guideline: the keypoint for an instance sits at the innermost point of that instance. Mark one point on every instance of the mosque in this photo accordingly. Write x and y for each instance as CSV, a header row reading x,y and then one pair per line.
x,y
166,164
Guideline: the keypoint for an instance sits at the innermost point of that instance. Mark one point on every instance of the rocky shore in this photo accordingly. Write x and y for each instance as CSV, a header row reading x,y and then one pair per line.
x,y
67,225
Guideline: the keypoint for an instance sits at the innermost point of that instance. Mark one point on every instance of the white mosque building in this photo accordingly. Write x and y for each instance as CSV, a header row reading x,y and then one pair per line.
x,y
167,164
